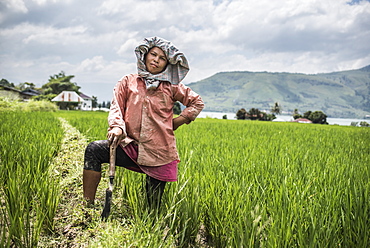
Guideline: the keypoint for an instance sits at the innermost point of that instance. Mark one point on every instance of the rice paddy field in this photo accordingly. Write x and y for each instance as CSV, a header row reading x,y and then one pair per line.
x,y
241,184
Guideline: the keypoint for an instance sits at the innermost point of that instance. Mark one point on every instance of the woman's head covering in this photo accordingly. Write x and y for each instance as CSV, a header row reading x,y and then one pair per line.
x,y
177,66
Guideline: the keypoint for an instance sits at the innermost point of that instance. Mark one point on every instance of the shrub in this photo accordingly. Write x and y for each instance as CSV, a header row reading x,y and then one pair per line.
x,y
364,124
39,106
29,106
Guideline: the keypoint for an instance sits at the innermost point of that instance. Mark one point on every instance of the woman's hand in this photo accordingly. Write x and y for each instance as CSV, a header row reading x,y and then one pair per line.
x,y
115,136
178,121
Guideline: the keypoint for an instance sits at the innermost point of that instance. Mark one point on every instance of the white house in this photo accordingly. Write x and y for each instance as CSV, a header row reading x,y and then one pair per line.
x,y
87,103
84,101
67,96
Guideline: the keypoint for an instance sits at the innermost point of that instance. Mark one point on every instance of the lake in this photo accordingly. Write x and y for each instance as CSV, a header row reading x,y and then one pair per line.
x,y
331,121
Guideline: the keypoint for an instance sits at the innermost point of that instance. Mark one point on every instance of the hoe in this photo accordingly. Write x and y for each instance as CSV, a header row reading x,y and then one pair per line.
x,y
108,192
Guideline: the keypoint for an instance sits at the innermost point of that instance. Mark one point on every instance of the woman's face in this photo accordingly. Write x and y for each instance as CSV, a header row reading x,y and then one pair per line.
x,y
155,60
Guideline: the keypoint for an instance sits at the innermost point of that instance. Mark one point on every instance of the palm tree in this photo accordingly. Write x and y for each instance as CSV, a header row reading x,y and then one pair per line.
x,y
276,109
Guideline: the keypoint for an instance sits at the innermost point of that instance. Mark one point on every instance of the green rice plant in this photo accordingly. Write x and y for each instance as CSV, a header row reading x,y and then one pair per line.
x,y
93,125
130,188
29,193
280,184
251,184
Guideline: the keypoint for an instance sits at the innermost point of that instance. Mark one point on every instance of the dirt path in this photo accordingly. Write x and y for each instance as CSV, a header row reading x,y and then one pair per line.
x,y
75,224
72,218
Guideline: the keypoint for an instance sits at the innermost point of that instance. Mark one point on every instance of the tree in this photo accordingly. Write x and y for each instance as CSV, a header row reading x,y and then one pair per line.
x,y
318,117
20,86
6,83
43,97
94,101
30,85
177,108
296,114
276,109
58,83
307,114
254,114
364,124
108,104
270,117
240,115
25,85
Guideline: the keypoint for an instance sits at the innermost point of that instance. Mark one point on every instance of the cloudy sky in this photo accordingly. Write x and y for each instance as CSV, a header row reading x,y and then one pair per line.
x,y
94,40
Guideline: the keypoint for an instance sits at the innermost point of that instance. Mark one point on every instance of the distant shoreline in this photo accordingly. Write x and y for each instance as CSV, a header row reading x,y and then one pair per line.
x,y
331,121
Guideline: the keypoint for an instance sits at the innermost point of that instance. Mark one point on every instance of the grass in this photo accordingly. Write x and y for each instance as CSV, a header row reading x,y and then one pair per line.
x,y
29,193
299,177
241,184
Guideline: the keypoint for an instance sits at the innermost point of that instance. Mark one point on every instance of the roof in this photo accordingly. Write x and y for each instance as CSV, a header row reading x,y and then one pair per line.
x,y
302,120
67,96
278,119
31,92
27,92
86,97
10,88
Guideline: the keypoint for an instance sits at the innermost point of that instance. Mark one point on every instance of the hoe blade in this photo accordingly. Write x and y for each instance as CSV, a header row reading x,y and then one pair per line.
x,y
107,205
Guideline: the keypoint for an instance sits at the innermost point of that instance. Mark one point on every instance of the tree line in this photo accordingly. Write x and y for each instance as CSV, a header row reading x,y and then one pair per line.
x,y
318,117
58,83
55,85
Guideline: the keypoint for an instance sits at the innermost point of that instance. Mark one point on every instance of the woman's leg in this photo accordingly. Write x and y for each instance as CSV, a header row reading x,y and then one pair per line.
x,y
154,192
97,153
90,182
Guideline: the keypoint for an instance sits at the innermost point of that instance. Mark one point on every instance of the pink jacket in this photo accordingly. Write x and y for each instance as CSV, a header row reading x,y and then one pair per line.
x,y
147,115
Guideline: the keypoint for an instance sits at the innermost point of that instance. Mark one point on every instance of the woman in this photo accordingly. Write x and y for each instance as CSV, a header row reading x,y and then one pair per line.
x,y
141,122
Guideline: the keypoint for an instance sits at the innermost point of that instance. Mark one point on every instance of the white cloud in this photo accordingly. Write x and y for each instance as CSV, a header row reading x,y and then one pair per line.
x,y
51,35
95,64
95,40
127,46
15,6
44,2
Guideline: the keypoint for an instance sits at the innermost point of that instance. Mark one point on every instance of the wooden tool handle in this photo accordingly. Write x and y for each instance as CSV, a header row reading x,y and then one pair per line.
x,y
112,161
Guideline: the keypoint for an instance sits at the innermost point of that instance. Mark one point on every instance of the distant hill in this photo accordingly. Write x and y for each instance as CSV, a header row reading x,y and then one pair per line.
x,y
337,94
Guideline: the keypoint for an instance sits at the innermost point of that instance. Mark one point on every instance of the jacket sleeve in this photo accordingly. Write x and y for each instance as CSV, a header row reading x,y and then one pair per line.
x,y
118,105
193,102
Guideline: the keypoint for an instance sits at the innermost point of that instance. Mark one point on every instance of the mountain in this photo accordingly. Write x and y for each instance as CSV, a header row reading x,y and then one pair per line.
x,y
343,94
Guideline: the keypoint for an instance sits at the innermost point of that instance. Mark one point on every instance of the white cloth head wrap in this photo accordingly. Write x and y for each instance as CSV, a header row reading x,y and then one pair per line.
x,y
177,66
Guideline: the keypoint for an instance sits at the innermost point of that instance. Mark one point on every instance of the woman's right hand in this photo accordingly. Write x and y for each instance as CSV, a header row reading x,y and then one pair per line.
x,y
115,136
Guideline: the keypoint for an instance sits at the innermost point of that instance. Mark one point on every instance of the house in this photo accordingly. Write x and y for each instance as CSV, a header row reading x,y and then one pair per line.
x,y
68,96
17,95
84,101
87,103
28,93
278,119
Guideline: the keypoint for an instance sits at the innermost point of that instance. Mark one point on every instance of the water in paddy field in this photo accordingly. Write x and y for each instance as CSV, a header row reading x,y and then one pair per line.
x,y
331,121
